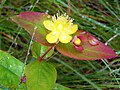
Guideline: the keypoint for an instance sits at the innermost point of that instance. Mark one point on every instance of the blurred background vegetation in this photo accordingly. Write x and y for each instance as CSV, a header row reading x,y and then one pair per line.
x,y
99,17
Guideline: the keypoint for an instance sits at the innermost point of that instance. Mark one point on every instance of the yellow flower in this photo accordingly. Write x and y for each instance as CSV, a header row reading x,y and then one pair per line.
x,y
61,28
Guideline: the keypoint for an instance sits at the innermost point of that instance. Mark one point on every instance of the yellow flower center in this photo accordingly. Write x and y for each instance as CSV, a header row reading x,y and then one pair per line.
x,y
61,28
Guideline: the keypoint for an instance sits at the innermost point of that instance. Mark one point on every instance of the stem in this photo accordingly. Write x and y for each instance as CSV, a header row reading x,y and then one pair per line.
x,y
40,58
68,9
111,39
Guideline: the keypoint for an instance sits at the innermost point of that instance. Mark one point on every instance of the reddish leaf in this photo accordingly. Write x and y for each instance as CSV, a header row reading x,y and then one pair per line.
x,y
30,20
92,48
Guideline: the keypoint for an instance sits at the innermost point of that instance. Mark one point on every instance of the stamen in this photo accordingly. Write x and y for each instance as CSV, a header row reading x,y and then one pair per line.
x,y
67,16
57,15
71,20
54,18
64,14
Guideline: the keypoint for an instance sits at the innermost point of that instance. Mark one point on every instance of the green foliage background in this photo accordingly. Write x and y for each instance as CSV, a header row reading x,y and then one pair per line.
x,y
99,17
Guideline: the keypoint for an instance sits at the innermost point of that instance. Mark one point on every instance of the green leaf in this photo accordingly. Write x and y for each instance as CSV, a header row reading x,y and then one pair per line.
x,y
38,50
60,87
11,70
92,49
33,21
40,76
2,88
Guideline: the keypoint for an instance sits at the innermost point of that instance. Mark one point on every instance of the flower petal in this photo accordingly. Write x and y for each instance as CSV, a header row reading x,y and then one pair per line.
x,y
60,28
65,38
70,29
52,37
48,25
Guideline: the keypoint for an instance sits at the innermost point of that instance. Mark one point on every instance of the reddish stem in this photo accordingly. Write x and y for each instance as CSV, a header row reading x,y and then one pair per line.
x,y
40,58
68,9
